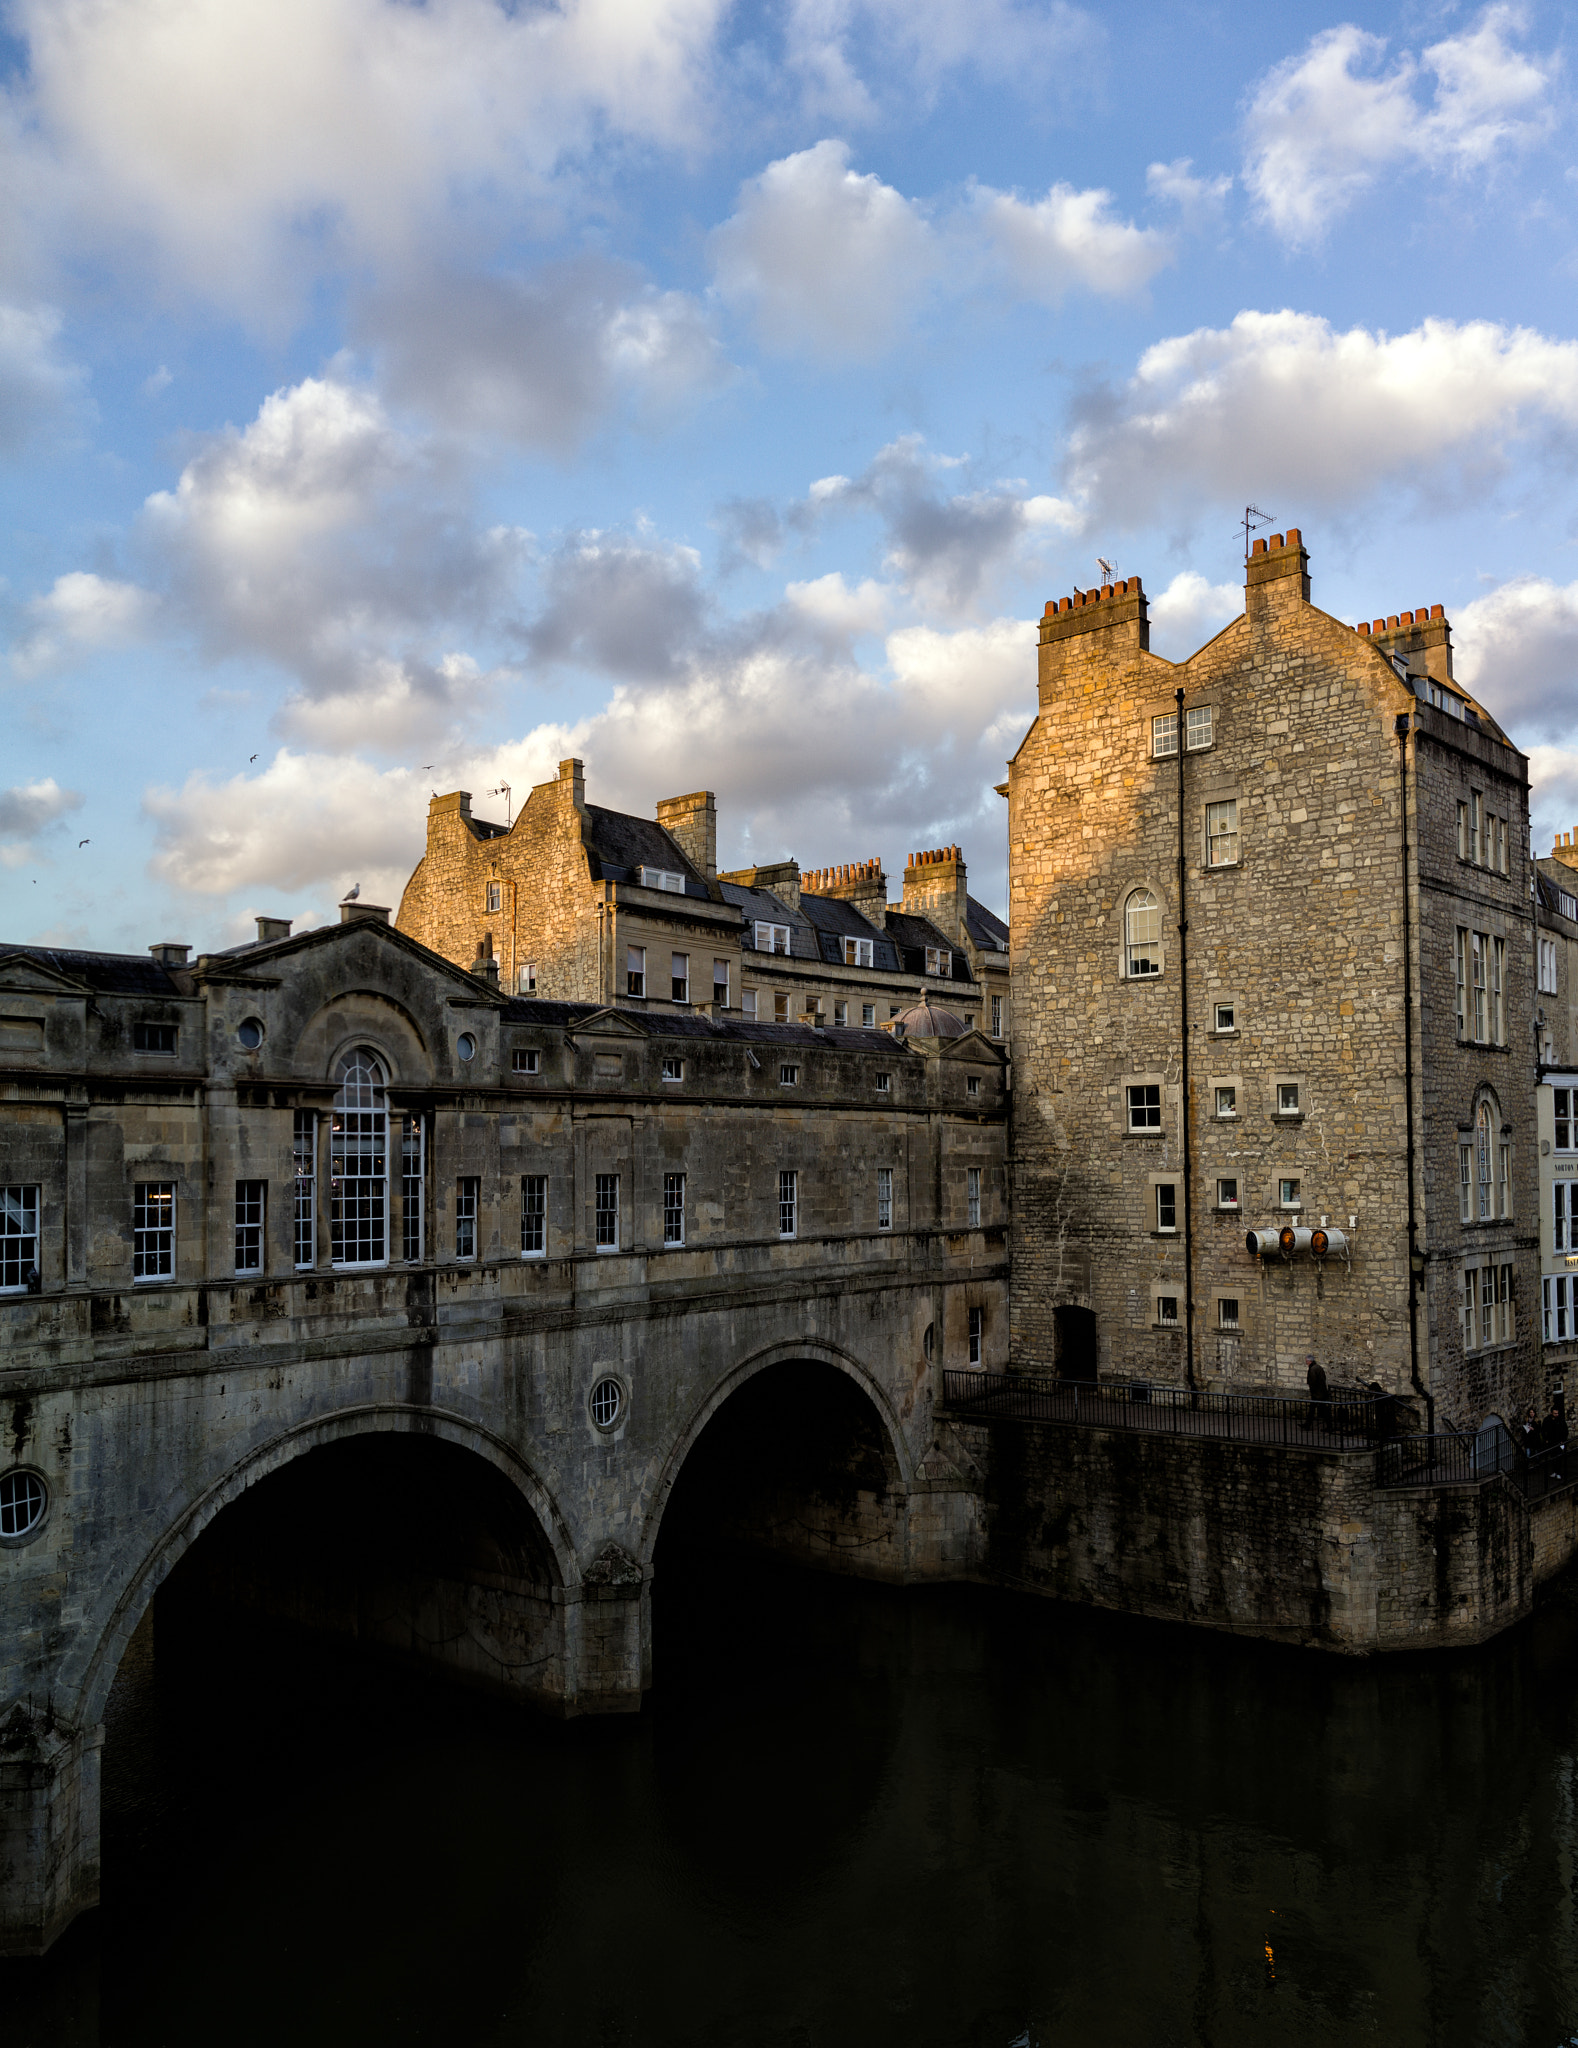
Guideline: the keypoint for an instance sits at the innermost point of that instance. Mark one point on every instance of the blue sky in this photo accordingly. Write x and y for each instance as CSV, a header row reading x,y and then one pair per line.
x,y
396,398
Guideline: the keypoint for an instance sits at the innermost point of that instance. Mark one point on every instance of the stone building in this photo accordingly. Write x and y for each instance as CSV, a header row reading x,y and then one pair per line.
x,y
585,904
393,1305
1231,956
1556,1103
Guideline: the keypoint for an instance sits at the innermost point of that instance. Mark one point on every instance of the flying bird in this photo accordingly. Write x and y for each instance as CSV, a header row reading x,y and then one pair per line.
x,y
82,843
250,759
351,895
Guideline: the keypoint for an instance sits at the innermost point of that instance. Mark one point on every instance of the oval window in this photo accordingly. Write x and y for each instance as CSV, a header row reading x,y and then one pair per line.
x,y
466,1046
23,1499
251,1033
608,1397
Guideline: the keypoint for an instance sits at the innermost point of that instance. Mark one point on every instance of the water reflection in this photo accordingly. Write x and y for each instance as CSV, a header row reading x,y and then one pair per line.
x,y
850,1815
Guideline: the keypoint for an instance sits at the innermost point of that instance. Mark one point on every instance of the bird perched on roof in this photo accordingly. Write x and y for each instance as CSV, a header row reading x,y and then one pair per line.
x,y
351,895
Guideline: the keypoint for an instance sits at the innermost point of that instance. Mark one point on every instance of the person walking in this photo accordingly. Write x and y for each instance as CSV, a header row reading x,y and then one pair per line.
x,y
1320,1398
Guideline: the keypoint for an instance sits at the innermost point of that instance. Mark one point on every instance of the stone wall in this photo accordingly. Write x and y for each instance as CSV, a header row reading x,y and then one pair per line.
x,y
1297,1546
1295,953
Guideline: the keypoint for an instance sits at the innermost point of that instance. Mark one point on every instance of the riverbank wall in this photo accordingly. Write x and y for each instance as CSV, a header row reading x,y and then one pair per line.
x,y
1291,1543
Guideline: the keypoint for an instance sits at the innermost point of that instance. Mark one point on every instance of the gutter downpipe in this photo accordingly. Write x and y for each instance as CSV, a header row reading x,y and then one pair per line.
x,y
1403,726
1183,1024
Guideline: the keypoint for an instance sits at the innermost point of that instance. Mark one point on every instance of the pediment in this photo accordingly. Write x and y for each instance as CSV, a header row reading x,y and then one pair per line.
x,y
611,1024
366,939
975,1045
21,975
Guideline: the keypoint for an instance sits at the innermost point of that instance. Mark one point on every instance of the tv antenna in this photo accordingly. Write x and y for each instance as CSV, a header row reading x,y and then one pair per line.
x,y
1253,517
1108,573
503,790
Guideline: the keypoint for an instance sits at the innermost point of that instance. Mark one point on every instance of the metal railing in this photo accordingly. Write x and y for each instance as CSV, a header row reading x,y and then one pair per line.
x,y
1449,1460
1342,1421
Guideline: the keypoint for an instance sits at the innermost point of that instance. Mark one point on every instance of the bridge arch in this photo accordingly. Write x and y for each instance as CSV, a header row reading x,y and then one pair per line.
x,y
106,1642
771,1359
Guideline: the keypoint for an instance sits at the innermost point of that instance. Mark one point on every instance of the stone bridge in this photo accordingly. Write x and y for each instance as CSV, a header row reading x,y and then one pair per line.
x,y
481,1457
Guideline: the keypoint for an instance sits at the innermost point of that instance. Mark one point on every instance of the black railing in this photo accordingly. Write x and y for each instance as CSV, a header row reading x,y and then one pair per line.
x,y
1342,1421
1471,1460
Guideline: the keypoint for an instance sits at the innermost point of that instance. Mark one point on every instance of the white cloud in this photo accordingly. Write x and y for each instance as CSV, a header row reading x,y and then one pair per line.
x,y
1323,125
829,261
1326,417
27,811
333,544
308,824
39,394
237,147
809,753
1516,649
1191,611
833,263
540,359
1553,794
1198,200
1068,239
854,57
829,606
81,614
945,547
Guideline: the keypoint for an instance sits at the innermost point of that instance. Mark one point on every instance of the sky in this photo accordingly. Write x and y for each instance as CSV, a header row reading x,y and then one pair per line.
x,y
401,397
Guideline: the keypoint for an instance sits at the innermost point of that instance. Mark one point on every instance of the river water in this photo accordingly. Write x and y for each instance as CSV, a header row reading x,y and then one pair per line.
x,y
849,1815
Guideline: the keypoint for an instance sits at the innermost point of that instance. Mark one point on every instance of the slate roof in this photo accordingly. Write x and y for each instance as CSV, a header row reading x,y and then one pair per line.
x,y
914,934
683,1023
621,844
763,904
117,974
985,927
834,920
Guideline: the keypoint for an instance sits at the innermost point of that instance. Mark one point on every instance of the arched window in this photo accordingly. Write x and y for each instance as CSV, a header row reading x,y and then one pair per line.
x,y
1484,1150
359,1149
1142,934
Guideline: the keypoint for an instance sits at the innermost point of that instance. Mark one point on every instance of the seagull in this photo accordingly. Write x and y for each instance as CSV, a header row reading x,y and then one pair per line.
x,y
82,843
351,895
250,759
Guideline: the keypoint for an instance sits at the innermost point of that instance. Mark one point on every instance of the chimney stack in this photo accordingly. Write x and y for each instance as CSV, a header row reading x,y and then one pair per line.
x,y
270,928
860,883
693,821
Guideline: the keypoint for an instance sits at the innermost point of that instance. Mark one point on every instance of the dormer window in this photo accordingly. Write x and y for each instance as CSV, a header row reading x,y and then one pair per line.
x,y
662,878
939,961
771,938
857,952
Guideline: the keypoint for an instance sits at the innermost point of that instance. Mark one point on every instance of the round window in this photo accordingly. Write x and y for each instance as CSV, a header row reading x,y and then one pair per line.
x,y
466,1046
251,1033
23,1499
608,1397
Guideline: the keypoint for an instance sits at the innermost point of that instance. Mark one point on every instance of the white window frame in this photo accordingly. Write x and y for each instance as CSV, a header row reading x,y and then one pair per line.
x,y
534,1215
1295,1182
19,1207
840,1015
1225,1200
997,1016
773,933
413,1188
1548,984
1147,1125
788,1074
528,978
884,1084
1164,1203
868,1016
525,1059
662,878
304,1225
468,1217
1142,935
976,1332
1222,840
673,1067
153,1238
493,899
359,1131
1164,736
606,1213
1227,1112
1564,1112
636,971
748,1003
1557,1292
788,1203
679,977
1199,728
673,1211
884,1198
858,952
1224,1321
972,1197
720,981
939,963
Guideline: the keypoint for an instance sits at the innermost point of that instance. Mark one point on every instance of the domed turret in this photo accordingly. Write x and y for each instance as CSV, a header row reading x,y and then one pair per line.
x,y
928,1021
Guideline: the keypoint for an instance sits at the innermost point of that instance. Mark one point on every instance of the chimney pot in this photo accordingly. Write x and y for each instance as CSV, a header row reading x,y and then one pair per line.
x,y
1276,540
1379,626
1405,618
1391,624
1259,547
1438,611
1363,627
1295,538
170,953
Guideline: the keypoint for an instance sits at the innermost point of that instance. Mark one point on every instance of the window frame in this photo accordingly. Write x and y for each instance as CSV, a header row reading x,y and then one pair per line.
x,y
1164,1205
468,1215
679,977
359,1130
673,1067
605,1213
721,1002
1142,901
975,1335
534,1211
1226,1203
15,1197
1164,736
972,1198
304,1219
1223,809
868,1016
153,1239
526,1059
635,975
884,1198
492,898
673,1211
859,952
788,1074
774,933
788,1204
1150,1127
